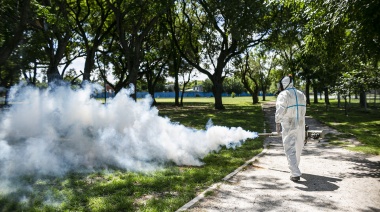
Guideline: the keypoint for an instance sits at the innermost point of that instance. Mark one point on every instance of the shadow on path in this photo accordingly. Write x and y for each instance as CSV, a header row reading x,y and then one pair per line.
x,y
318,183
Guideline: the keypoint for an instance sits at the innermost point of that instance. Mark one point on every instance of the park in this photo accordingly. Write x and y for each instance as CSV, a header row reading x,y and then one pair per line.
x,y
168,108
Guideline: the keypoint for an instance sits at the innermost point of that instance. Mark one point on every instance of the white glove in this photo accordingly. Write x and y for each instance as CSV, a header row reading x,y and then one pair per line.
x,y
278,128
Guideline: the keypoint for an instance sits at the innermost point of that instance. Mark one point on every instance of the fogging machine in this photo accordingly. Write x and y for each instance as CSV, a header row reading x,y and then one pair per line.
x,y
314,134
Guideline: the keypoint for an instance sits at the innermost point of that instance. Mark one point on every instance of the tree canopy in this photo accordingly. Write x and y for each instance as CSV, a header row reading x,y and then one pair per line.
x,y
324,44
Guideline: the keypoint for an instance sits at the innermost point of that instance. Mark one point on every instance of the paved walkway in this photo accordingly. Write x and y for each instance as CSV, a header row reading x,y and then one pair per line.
x,y
333,179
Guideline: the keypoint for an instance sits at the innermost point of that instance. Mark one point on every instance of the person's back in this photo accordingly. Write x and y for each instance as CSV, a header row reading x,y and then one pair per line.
x,y
290,112
295,102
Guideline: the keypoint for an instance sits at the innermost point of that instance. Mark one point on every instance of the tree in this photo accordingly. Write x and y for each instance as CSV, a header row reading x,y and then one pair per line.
x,y
72,77
154,68
309,64
52,27
215,32
268,62
290,41
323,43
248,74
363,19
175,63
186,75
233,85
14,15
10,72
207,85
134,22
93,23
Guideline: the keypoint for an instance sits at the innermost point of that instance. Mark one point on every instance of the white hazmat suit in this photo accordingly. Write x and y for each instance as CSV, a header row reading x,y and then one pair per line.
x,y
290,112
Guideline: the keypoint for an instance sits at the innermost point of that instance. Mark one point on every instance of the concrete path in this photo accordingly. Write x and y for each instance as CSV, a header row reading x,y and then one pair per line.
x,y
333,179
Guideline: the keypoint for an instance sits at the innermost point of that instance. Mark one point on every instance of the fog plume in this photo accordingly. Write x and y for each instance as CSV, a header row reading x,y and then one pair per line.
x,y
57,130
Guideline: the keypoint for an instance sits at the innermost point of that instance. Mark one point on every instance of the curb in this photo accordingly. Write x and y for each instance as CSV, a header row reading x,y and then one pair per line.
x,y
216,185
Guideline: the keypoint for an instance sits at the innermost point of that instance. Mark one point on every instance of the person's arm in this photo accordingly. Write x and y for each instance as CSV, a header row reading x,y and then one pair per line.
x,y
281,105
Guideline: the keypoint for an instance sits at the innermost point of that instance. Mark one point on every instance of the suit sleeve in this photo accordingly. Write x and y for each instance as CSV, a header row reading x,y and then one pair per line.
x,y
281,105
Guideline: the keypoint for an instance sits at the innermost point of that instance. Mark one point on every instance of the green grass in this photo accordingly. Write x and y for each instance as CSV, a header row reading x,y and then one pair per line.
x,y
170,188
359,123
163,190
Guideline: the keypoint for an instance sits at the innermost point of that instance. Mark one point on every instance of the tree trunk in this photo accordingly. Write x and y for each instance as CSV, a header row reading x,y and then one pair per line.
x,y
176,66
151,87
264,90
363,99
315,95
345,106
349,97
133,55
183,93
327,100
217,90
307,91
133,74
6,98
89,65
255,96
53,74
338,100
254,93
176,89
56,50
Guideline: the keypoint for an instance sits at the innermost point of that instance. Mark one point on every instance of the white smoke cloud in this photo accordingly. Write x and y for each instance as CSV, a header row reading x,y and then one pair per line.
x,y
54,131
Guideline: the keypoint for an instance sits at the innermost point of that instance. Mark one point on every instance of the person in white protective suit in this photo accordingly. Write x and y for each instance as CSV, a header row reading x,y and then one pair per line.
x,y
290,116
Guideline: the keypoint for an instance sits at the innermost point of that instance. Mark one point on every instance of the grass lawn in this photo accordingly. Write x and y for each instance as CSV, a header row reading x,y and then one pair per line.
x,y
359,123
163,190
170,188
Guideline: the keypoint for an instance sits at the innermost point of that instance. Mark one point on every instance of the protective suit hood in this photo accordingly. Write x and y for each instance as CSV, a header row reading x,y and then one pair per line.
x,y
285,82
